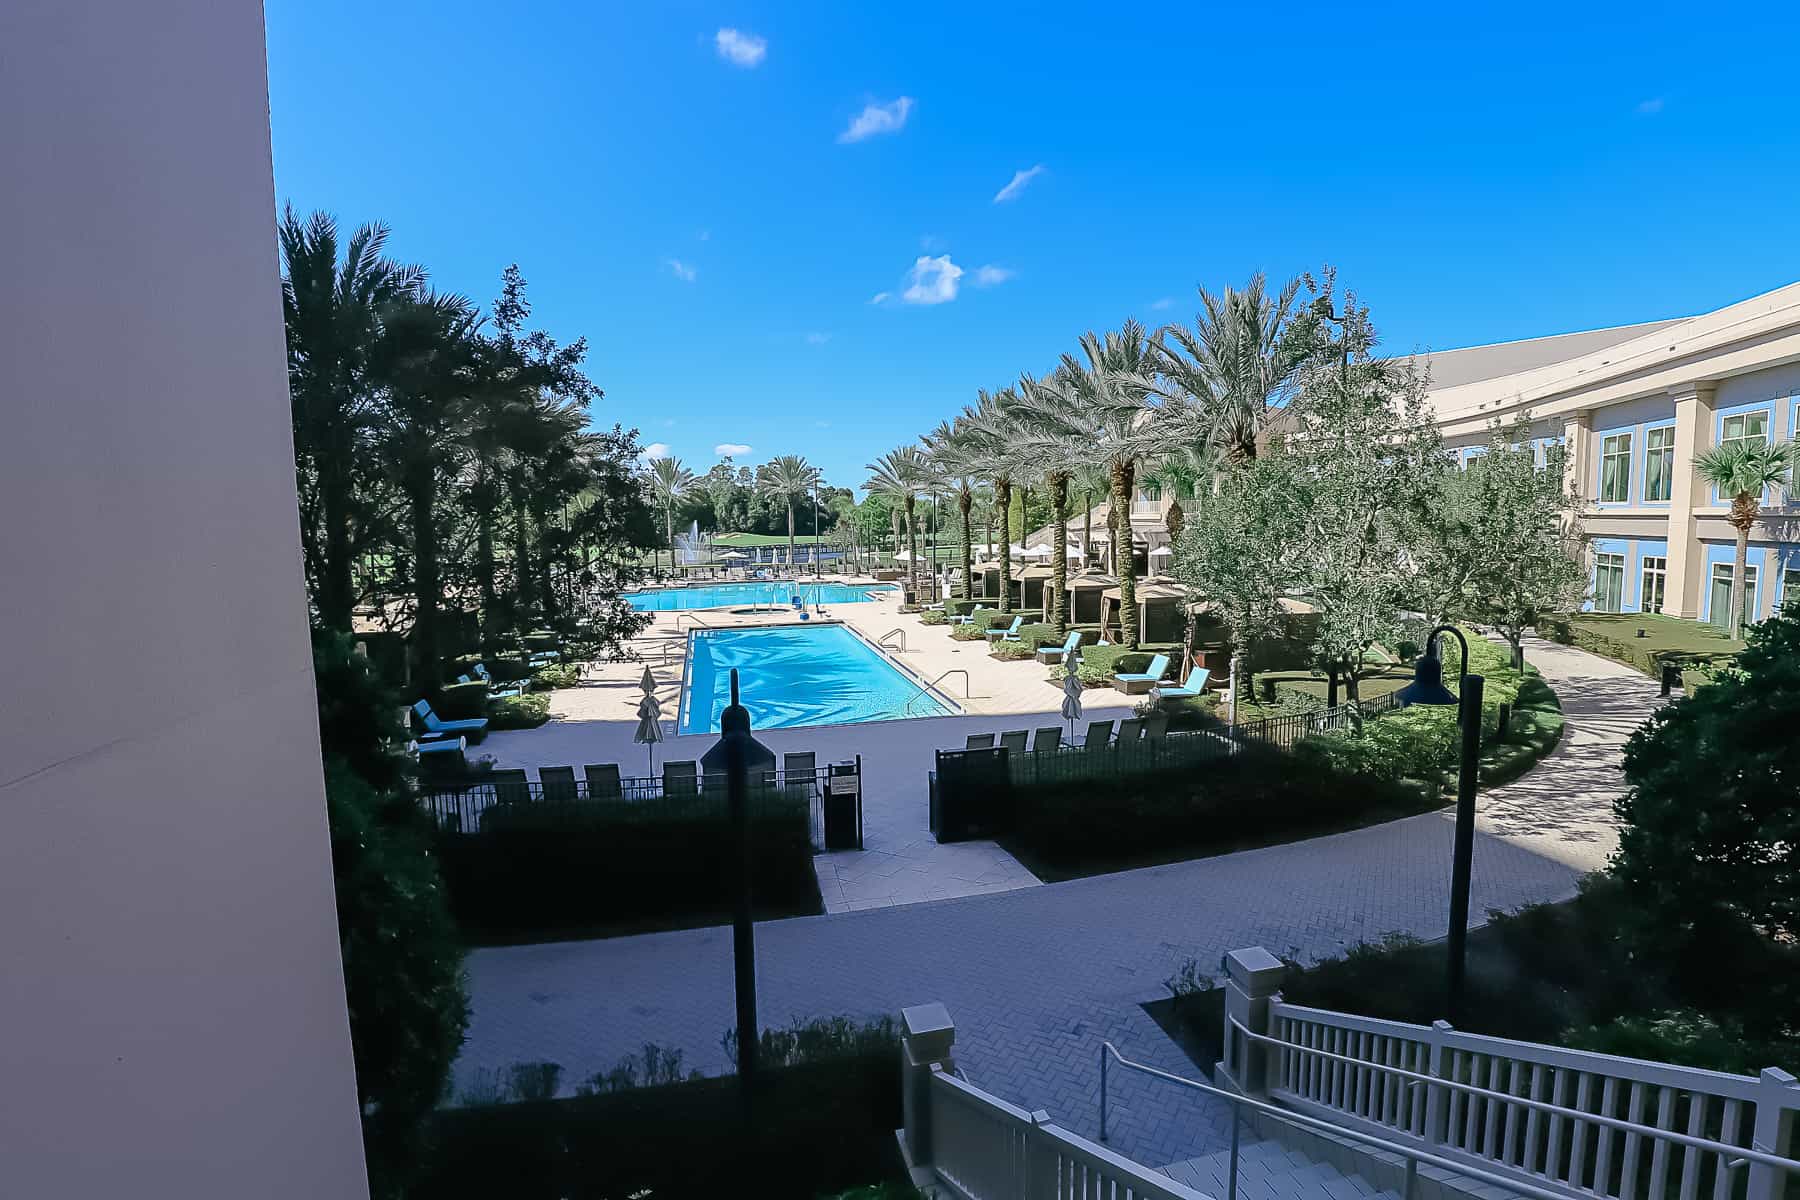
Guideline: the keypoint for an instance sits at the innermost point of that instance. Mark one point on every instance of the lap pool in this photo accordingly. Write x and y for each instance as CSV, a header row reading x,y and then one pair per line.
x,y
731,595
792,675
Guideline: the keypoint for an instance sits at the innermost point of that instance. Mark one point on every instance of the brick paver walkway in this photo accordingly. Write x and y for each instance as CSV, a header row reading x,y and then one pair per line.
x,y
1036,978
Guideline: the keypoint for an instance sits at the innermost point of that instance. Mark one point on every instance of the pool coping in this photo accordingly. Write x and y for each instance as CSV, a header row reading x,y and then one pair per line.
x,y
866,588
927,688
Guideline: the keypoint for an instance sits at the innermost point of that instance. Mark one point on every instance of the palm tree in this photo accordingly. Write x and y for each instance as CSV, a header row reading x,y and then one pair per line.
x,y
952,459
669,482
1088,481
1061,457
1744,471
333,310
1109,405
1240,362
422,360
1182,471
900,475
994,435
782,479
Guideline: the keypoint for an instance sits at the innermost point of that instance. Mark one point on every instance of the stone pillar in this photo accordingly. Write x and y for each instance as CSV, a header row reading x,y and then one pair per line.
x,y
1253,978
926,1036
1578,470
1687,558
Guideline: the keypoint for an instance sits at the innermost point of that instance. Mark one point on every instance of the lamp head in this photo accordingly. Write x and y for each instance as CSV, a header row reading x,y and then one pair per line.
x,y
1427,686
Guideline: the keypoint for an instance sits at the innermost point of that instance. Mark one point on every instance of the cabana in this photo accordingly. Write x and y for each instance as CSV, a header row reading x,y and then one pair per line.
x,y
1161,617
1034,587
1087,596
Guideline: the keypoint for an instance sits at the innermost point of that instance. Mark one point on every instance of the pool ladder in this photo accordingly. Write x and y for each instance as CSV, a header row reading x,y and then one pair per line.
x,y
883,639
925,687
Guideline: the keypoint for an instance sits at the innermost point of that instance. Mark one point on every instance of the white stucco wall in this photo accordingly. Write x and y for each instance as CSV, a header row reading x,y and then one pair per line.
x,y
172,1018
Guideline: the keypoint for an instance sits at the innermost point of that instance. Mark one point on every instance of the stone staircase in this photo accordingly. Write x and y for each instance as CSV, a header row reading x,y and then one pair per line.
x,y
1268,1170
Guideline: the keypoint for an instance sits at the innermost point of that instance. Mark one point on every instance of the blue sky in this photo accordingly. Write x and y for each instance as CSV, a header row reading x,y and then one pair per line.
x,y
717,211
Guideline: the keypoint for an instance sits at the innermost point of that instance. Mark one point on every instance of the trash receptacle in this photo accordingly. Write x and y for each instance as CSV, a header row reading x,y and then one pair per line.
x,y
843,802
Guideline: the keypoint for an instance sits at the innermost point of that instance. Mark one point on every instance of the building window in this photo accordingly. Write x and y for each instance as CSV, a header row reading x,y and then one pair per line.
x,y
1654,584
1659,463
1790,585
1152,493
1615,469
1609,582
1750,429
1721,594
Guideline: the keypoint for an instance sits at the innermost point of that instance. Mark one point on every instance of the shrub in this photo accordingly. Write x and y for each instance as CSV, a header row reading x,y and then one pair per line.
x,y
1681,1036
518,712
818,1127
1100,663
934,616
1711,818
976,629
557,675
537,870
1030,638
460,701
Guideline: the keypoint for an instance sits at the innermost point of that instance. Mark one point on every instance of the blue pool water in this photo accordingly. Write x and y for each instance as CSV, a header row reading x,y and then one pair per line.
x,y
797,675
729,595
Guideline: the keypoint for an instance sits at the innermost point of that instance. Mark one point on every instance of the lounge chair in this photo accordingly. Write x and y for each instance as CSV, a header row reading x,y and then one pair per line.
x,y
980,741
446,756
1013,740
1056,654
474,727
510,786
1099,733
1007,634
558,784
801,769
1196,684
498,690
1047,738
681,778
602,781
1131,729
1134,682
969,617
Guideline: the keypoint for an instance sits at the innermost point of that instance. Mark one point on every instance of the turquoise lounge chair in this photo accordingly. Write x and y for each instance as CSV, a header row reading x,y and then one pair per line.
x,y
1196,683
1133,682
1007,634
1050,655
437,725
496,689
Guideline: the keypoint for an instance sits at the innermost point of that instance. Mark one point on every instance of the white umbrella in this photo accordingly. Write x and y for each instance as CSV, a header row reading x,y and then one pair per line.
x,y
1034,552
732,556
1161,552
1071,708
649,730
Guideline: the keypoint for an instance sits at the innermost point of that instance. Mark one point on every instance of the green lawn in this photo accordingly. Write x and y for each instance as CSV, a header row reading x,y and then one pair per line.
x,y
1694,645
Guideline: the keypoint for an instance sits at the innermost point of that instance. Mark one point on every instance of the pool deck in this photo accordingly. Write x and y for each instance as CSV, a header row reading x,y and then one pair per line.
x,y
901,863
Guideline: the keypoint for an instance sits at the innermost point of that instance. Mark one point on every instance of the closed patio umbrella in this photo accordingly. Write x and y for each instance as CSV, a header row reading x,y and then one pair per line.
x,y
649,730
1071,706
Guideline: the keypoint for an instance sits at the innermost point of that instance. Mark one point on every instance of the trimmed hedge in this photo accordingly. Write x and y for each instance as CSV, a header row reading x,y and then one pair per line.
x,y
1030,638
818,1127
537,870
1694,664
1257,796
1100,663
460,701
518,712
557,675
934,616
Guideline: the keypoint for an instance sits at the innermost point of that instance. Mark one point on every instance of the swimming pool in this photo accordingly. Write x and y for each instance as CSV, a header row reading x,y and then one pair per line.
x,y
730,595
791,675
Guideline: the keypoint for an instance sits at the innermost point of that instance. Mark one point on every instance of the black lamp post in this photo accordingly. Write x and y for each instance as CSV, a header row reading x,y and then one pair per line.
x,y
1428,687
736,756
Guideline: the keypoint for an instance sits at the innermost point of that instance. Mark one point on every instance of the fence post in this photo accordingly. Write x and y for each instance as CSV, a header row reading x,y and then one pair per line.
x,y
1252,979
1040,1160
1437,1107
926,1035
1777,1099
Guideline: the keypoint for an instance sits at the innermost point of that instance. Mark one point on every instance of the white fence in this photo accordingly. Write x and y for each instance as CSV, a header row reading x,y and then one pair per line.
x,y
1582,1123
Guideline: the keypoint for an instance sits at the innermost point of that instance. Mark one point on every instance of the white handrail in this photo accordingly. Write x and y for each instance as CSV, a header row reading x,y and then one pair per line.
x,y
1749,1154
926,687
882,640
1412,1154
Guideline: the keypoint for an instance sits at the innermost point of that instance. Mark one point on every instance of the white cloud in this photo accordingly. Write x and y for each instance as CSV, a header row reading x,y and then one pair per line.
x,y
932,280
1019,180
682,271
880,298
930,242
730,449
989,275
878,118
654,451
1650,107
741,49
817,339
1166,302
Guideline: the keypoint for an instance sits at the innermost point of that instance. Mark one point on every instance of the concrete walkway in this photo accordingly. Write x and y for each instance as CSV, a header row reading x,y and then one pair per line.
x,y
1036,977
